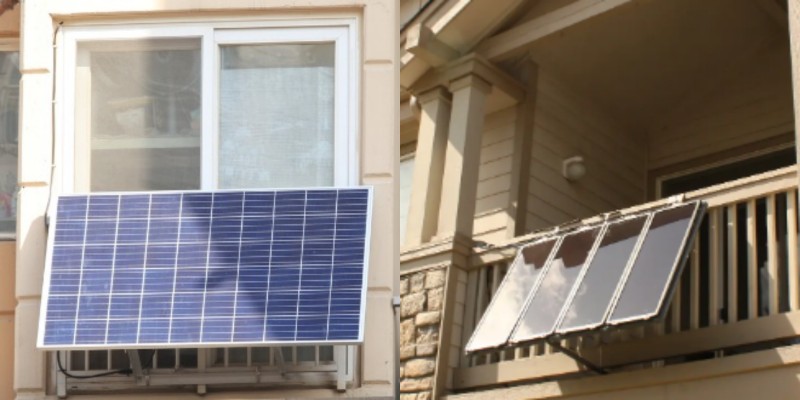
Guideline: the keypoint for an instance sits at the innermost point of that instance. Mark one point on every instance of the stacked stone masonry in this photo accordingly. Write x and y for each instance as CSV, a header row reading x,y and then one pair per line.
x,y
420,316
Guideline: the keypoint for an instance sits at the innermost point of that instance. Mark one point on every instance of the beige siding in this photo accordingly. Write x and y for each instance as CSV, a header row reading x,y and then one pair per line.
x,y
752,102
567,125
494,177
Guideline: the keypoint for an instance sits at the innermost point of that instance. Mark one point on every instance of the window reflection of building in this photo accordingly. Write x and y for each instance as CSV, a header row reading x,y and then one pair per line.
x,y
9,100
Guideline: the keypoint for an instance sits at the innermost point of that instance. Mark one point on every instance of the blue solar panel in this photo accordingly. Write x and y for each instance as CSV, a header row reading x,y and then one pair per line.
x,y
189,269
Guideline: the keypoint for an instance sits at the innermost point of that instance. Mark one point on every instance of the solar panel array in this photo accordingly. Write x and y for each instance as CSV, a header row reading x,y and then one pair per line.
x,y
189,269
617,272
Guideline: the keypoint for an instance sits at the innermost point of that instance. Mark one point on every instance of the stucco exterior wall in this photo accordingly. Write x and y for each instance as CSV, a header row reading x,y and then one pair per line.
x,y
378,111
7,305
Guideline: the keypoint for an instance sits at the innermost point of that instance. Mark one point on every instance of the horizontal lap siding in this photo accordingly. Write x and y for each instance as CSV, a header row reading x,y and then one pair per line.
x,y
494,176
754,104
567,125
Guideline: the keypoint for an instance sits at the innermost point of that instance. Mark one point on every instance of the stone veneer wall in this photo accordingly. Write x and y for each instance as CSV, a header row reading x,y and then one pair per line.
x,y
420,316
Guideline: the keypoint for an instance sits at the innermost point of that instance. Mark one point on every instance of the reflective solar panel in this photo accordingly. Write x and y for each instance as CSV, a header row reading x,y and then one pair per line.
x,y
658,261
541,315
189,269
503,312
595,293
620,271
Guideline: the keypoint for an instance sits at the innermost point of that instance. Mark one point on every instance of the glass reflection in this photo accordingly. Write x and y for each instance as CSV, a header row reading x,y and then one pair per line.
x,y
137,118
502,314
596,290
657,261
9,109
541,316
276,111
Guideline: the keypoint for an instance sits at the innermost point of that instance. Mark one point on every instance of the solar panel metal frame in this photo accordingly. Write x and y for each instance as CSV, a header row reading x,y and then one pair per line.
x,y
680,261
51,229
536,284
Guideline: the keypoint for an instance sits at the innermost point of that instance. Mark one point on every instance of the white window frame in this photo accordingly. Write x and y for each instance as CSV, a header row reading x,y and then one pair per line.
x,y
341,31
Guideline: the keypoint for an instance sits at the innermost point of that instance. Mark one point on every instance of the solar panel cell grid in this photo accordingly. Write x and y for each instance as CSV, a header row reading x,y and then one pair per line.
x,y
207,268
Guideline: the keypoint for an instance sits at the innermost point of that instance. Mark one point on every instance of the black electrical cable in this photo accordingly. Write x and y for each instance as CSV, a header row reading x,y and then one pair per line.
x,y
124,371
52,125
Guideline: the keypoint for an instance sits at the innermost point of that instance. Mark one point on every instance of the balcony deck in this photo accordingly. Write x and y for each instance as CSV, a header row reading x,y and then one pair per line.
x,y
739,293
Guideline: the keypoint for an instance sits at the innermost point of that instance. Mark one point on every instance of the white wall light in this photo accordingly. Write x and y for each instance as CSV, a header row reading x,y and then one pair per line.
x,y
573,168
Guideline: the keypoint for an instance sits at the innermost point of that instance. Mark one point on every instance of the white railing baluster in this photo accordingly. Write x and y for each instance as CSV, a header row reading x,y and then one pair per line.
x,y
694,287
752,261
791,239
470,311
772,255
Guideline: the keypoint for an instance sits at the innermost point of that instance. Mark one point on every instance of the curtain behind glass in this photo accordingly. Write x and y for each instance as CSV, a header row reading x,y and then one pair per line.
x,y
138,111
276,108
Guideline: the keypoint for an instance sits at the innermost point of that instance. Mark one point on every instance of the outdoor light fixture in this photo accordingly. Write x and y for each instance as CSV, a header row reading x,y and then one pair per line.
x,y
573,168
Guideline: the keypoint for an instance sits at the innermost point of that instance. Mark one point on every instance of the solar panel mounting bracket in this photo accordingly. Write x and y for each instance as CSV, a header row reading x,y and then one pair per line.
x,y
677,199
136,366
61,382
342,356
555,341
280,362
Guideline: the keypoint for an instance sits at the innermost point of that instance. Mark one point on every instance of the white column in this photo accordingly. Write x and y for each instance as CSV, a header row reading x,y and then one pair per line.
x,y
429,158
462,157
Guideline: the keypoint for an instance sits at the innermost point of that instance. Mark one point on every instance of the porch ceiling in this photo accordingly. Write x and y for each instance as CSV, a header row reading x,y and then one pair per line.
x,y
642,60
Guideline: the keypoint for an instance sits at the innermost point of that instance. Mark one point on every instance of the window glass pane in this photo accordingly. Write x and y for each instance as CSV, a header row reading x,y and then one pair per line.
x,y
188,358
276,107
260,355
119,360
98,359
237,356
77,360
326,353
9,108
137,120
165,358
306,353
406,173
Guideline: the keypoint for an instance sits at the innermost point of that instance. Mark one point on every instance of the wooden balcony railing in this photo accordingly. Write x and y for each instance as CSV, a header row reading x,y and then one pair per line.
x,y
740,291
